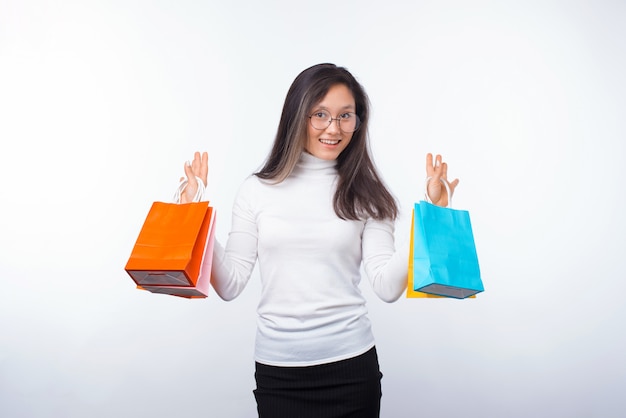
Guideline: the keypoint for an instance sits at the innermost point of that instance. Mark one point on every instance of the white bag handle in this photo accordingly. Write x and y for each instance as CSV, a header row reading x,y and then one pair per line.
x,y
445,183
183,184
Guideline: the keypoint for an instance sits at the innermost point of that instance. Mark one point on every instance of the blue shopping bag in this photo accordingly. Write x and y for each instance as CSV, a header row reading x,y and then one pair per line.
x,y
445,262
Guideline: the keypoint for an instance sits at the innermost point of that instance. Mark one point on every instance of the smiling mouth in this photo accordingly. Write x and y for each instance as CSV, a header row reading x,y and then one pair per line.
x,y
330,141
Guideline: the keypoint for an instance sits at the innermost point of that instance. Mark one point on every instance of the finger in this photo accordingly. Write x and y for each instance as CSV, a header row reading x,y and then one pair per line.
x,y
429,165
191,177
438,162
195,165
204,167
437,170
188,170
190,188
452,185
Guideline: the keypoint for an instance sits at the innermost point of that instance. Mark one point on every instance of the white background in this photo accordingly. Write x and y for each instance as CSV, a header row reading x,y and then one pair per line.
x,y
101,102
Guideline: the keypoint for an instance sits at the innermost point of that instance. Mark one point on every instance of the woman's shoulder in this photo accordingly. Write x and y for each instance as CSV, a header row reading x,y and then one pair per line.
x,y
252,187
253,182
248,185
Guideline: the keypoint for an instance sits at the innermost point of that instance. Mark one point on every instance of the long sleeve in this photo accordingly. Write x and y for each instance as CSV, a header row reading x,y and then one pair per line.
x,y
233,264
385,267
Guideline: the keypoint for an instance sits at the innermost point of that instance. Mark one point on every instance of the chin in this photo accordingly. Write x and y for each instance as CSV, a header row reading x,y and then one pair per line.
x,y
325,155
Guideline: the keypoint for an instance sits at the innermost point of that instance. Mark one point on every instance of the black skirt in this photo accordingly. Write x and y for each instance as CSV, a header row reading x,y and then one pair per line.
x,y
342,389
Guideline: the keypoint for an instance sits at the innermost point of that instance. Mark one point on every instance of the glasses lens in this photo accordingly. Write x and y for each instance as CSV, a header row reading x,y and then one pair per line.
x,y
348,122
320,120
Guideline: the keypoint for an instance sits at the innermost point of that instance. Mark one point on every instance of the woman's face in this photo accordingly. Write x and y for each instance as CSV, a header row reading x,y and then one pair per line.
x,y
328,143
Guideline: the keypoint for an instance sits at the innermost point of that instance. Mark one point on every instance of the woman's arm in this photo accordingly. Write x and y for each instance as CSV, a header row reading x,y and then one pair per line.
x,y
385,267
232,265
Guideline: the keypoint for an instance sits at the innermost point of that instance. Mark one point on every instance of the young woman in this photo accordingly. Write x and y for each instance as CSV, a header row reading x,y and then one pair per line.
x,y
311,216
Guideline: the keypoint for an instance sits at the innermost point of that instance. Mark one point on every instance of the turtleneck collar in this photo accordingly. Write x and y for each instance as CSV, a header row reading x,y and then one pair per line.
x,y
311,164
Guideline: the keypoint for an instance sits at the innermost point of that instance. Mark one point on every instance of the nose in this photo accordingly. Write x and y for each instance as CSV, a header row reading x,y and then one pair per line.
x,y
334,126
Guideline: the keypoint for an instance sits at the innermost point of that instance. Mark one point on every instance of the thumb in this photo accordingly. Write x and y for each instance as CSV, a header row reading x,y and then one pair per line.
x,y
191,177
189,171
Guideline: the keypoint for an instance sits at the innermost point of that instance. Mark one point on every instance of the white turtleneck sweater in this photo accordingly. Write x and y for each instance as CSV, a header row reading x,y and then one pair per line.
x,y
311,309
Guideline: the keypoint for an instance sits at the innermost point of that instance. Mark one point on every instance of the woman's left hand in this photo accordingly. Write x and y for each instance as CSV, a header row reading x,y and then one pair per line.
x,y
437,171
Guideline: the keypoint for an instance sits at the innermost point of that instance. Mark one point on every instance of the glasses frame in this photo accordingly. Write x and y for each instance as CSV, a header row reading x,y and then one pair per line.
x,y
331,119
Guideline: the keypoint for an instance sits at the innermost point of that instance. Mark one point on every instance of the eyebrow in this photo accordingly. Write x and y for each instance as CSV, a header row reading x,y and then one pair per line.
x,y
346,107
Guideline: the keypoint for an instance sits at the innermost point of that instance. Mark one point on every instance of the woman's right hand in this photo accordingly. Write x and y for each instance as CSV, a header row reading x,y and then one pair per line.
x,y
199,167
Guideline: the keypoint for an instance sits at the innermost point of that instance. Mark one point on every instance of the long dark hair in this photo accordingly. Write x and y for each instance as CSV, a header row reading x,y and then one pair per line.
x,y
360,190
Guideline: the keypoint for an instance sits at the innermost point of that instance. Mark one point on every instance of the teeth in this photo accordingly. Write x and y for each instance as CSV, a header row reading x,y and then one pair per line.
x,y
329,142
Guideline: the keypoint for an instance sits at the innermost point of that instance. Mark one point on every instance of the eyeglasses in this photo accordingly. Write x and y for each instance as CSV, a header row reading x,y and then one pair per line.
x,y
348,122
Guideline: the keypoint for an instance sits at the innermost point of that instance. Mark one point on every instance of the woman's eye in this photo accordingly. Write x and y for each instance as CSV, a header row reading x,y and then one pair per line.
x,y
321,115
345,116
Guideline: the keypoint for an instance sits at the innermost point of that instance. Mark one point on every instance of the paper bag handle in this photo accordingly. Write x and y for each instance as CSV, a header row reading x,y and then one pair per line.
x,y
183,184
445,183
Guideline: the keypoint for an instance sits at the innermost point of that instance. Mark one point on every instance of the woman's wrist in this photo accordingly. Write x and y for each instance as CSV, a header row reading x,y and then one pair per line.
x,y
181,197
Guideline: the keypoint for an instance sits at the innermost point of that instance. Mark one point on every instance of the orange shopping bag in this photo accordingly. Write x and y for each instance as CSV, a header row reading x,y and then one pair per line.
x,y
201,288
171,249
